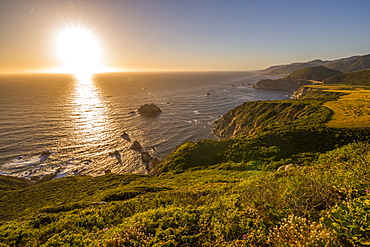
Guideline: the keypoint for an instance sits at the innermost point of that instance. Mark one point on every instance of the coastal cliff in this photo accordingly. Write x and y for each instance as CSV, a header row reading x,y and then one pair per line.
x,y
252,117
285,84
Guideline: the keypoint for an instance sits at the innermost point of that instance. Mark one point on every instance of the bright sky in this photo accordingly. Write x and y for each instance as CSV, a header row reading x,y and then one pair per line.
x,y
185,34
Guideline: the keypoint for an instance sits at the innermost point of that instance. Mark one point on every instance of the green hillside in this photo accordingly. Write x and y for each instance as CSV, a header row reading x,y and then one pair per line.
x,y
355,78
252,117
324,203
284,70
318,73
13,183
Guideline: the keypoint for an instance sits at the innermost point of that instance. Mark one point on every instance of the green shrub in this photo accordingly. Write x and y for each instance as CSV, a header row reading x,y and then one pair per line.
x,y
351,221
300,232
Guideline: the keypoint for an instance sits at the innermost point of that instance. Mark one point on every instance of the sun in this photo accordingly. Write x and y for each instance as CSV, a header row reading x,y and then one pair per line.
x,y
79,51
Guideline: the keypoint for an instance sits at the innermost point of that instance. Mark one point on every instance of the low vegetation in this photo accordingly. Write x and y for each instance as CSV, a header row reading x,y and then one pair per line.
x,y
324,203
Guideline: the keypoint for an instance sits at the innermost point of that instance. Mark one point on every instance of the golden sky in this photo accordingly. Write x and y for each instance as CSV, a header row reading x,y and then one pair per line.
x,y
182,35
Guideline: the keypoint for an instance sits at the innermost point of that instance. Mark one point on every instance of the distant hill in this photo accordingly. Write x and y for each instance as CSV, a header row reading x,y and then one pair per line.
x,y
283,70
354,78
349,64
318,73
298,78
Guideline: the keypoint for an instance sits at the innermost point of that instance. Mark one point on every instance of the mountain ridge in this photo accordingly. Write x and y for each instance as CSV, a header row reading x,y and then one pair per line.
x,y
348,64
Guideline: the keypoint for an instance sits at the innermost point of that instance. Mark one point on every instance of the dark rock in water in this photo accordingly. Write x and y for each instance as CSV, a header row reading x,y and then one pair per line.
x,y
117,155
146,158
86,162
50,176
44,156
149,110
126,136
45,153
132,112
136,146
107,171
207,94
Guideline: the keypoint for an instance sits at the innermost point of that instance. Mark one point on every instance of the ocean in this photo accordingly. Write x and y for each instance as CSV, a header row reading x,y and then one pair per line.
x,y
71,124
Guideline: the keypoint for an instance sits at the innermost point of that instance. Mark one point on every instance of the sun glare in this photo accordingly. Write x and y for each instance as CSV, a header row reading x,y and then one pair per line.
x,y
79,51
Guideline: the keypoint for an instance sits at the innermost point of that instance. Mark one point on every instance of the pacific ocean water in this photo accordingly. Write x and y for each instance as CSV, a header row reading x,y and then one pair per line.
x,y
77,120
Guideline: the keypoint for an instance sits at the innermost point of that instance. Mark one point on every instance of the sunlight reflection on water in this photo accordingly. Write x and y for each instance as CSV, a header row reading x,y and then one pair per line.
x,y
96,134
89,113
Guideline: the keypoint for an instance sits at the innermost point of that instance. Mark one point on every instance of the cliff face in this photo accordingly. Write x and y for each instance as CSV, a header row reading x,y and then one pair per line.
x,y
253,117
290,85
301,91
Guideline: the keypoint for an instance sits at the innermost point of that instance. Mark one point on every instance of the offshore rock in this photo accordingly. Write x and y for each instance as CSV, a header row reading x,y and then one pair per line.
x,y
149,110
146,158
136,146
126,136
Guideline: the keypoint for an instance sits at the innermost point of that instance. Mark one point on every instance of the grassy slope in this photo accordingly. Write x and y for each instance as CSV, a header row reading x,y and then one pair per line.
x,y
211,207
352,107
13,183
355,78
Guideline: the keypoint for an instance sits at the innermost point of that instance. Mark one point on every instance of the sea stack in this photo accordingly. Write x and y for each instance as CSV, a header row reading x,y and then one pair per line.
x,y
136,146
149,110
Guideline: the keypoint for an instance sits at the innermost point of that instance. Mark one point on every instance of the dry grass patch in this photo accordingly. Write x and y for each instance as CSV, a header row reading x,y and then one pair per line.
x,y
350,110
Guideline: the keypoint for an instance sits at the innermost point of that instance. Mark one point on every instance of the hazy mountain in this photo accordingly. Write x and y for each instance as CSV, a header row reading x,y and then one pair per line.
x,y
349,64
